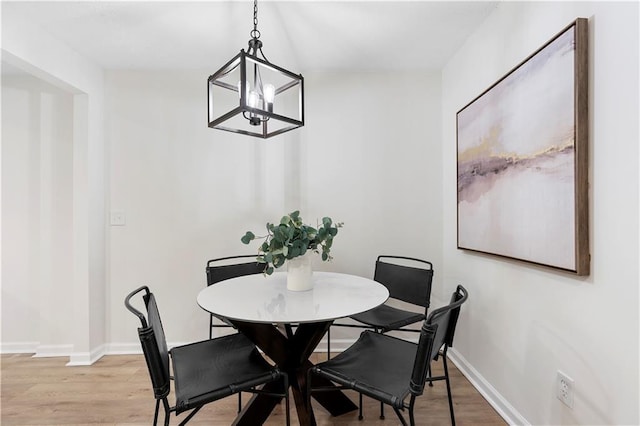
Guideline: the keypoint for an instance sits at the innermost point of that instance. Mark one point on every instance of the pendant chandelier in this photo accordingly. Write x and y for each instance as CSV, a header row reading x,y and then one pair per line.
x,y
251,96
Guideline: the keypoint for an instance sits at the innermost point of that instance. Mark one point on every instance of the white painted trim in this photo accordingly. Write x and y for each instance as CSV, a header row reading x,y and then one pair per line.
x,y
493,397
79,358
18,348
124,349
87,358
46,351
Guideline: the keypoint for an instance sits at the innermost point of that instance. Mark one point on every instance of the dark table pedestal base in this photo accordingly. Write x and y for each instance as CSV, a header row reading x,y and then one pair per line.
x,y
291,354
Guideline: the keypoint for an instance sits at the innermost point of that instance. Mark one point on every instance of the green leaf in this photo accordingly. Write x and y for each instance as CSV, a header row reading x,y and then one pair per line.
x,y
278,260
325,256
248,237
280,234
285,220
269,270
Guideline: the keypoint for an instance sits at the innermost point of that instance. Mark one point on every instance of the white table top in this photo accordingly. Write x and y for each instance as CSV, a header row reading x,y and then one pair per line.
x,y
265,299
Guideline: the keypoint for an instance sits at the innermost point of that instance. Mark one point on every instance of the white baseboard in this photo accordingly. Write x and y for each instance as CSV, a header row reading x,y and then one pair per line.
x,y
86,358
18,348
493,397
124,349
47,351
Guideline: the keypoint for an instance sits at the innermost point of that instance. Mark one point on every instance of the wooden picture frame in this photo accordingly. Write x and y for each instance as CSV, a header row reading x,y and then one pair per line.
x,y
522,159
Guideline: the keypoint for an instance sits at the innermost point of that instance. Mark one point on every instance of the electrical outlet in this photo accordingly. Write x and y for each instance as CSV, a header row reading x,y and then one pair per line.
x,y
564,389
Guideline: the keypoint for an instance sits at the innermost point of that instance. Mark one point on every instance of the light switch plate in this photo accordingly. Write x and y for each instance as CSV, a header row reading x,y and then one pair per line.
x,y
118,218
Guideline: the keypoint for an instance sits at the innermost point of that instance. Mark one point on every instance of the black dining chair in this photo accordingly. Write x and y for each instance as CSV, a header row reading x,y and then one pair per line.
x,y
224,268
408,280
204,371
391,370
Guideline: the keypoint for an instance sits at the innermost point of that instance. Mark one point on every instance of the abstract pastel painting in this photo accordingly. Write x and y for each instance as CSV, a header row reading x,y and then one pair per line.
x,y
522,160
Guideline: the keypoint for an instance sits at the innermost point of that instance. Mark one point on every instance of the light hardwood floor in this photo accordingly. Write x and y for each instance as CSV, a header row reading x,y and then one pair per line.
x,y
116,391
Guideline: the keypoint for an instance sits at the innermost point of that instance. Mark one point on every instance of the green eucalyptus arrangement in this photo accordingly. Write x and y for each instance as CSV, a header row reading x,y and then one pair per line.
x,y
292,238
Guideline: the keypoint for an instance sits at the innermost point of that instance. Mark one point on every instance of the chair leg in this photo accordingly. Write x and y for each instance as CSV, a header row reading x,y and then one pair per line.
x,y
329,343
210,326
378,330
360,416
412,419
155,414
167,411
239,401
401,417
446,377
190,416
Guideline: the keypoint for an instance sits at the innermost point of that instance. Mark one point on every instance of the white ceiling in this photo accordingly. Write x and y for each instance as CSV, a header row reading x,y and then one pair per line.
x,y
298,35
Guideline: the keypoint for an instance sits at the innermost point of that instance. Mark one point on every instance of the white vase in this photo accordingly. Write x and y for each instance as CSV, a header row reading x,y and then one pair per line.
x,y
300,273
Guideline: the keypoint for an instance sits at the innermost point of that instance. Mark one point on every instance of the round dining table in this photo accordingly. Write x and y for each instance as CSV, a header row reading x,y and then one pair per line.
x,y
261,307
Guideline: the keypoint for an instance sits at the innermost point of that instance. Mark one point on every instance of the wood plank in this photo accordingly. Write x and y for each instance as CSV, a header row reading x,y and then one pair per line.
x,y
116,390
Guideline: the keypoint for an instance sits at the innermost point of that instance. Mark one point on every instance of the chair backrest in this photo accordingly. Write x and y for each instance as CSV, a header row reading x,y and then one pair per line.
x,y
152,339
411,284
437,331
221,269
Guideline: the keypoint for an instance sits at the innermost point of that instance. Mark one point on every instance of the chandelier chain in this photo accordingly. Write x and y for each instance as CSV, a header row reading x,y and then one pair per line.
x,y
255,14
255,34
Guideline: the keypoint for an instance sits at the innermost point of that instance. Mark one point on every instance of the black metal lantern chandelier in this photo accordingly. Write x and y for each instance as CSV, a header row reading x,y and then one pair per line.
x,y
252,96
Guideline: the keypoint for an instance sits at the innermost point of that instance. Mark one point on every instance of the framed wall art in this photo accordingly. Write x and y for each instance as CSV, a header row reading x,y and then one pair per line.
x,y
522,164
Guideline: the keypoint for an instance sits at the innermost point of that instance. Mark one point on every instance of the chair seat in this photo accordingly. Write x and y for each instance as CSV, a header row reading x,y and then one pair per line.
x,y
374,362
386,318
213,369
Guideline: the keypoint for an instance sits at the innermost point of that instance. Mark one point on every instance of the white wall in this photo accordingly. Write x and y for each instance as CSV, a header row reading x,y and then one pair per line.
x,y
189,192
36,212
523,323
34,51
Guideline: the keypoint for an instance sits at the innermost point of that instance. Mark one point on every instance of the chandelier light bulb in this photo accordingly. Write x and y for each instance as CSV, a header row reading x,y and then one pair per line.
x,y
253,102
253,99
269,93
